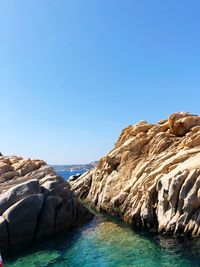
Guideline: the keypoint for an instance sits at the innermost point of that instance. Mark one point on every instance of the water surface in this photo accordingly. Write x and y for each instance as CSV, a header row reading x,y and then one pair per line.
x,y
107,242
67,174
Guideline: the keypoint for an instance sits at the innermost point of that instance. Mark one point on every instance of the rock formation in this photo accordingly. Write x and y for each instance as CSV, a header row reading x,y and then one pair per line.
x,y
34,202
152,176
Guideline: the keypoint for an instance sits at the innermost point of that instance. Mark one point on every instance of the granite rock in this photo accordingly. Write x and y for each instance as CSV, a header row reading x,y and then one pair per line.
x,y
152,176
35,202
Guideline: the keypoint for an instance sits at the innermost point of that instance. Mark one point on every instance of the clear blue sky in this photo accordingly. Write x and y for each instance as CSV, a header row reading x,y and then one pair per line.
x,y
73,73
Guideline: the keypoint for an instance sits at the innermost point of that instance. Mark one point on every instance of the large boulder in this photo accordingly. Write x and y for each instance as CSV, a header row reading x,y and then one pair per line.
x,y
22,219
152,176
35,202
18,192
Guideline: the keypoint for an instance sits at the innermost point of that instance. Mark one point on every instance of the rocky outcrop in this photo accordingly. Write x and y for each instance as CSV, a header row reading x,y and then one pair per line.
x,y
34,202
152,176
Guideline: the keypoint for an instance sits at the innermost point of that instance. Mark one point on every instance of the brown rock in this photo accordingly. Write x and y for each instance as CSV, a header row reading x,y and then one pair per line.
x,y
152,176
4,168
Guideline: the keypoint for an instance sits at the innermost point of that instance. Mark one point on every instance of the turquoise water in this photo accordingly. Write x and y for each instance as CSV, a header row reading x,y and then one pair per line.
x,y
107,242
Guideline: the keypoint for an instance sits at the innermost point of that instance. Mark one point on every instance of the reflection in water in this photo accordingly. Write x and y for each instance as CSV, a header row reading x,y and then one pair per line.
x,y
107,242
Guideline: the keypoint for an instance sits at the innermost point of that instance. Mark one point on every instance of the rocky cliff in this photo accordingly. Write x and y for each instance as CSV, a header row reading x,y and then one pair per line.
x,y
152,176
34,202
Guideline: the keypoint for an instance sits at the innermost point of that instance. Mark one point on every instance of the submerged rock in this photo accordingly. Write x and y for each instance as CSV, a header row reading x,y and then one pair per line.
x,y
152,176
34,202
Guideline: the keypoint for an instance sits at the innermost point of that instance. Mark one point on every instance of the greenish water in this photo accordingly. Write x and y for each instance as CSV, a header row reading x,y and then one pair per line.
x,y
107,242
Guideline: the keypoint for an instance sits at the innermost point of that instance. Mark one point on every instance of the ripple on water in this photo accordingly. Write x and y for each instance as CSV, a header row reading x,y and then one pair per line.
x,y
107,242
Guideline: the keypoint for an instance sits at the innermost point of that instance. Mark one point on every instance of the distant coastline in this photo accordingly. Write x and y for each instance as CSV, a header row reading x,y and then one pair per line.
x,y
75,167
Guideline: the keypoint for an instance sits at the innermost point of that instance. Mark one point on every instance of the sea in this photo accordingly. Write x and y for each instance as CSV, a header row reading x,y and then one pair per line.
x,y
106,242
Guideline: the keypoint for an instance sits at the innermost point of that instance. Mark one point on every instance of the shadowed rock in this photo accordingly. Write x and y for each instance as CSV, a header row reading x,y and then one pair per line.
x,y
22,219
35,202
3,232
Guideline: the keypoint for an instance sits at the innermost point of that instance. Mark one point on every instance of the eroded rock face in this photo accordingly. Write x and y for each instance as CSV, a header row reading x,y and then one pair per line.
x,y
152,176
34,202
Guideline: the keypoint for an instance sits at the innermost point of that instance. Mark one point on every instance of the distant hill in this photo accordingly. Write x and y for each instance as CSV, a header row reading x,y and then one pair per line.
x,y
75,167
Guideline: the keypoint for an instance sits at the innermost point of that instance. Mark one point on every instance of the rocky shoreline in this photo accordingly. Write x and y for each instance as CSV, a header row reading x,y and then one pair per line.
x,y
151,179
152,176
35,202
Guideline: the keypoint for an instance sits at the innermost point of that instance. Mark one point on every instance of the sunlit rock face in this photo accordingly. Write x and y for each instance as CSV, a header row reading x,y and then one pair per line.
x,y
152,176
35,202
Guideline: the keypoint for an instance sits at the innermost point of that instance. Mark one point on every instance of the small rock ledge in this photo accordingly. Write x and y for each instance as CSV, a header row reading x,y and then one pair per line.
x,y
34,202
152,176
